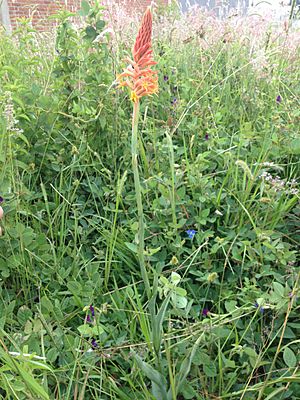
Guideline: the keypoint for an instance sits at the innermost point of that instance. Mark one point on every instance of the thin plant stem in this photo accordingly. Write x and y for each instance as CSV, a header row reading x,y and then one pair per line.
x,y
172,163
138,194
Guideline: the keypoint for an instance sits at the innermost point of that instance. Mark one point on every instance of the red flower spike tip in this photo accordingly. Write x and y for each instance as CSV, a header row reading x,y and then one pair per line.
x,y
139,77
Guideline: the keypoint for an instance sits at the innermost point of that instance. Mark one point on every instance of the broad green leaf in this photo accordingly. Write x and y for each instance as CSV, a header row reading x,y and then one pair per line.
x,y
289,358
250,352
210,370
230,305
85,8
295,146
85,329
175,278
100,24
91,32
278,289
179,301
132,246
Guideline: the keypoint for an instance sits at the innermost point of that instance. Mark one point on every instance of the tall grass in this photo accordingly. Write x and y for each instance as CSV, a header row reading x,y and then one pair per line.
x,y
219,158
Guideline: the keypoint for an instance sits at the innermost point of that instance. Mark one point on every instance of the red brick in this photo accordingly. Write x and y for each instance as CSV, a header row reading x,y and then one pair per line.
x,y
39,10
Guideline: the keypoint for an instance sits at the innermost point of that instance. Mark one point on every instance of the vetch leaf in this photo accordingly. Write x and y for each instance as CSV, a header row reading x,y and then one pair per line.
x,y
278,289
289,358
85,329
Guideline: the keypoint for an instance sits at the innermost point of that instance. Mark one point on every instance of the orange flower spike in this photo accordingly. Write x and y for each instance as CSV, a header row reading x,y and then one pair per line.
x,y
142,80
142,44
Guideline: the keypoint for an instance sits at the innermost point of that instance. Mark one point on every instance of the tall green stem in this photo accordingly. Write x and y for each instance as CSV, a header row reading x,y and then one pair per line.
x,y
172,166
138,194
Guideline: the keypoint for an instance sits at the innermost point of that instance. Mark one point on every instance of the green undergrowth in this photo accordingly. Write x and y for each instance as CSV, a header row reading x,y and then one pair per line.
x,y
219,163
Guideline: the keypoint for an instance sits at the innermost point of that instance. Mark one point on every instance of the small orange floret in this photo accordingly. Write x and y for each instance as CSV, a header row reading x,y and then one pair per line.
x,y
142,80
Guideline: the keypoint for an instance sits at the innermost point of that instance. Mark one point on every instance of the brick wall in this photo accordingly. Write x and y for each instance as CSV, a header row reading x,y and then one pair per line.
x,y
142,4
39,10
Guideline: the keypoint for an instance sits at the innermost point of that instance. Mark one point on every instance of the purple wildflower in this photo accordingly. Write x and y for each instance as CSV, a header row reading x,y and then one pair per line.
x,y
278,99
1,199
191,233
292,294
174,101
205,312
166,78
94,344
88,319
92,310
206,137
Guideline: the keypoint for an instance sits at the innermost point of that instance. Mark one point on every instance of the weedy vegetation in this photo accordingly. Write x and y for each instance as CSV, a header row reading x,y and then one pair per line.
x,y
218,164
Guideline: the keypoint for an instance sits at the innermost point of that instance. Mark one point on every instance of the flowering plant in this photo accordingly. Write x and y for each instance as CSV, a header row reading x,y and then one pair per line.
x,y
142,81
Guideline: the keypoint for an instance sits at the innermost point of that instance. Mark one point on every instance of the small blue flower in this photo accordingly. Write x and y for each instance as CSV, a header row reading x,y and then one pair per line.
x,y
278,99
1,199
191,233
166,78
94,344
261,309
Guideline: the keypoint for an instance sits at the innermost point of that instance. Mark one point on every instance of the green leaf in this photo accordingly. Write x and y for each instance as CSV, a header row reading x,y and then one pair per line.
x,y
85,329
186,365
294,148
289,358
250,352
275,392
97,330
52,355
91,32
132,246
47,304
85,8
175,278
151,252
278,289
230,305
159,384
222,332
28,328
180,291
32,384
188,392
210,370
100,24
164,280
179,301
24,314
157,321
